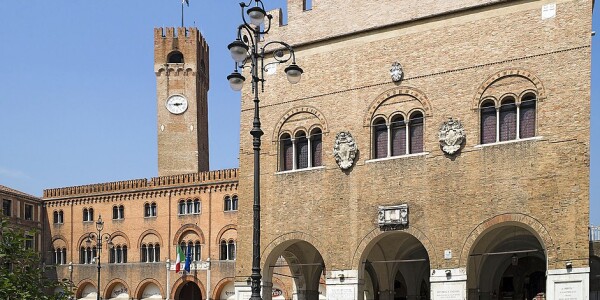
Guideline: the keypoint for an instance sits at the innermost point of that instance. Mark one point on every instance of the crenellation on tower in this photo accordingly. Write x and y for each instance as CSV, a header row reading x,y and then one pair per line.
x,y
181,58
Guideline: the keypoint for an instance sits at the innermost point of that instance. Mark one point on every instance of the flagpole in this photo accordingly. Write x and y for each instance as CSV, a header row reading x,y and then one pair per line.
x,y
182,13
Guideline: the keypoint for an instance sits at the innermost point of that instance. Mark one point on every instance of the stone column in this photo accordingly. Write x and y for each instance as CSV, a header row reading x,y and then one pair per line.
x,y
448,284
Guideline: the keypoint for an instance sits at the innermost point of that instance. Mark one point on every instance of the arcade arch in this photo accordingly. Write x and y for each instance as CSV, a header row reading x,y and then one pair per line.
x,y
297,261
506,262
394,266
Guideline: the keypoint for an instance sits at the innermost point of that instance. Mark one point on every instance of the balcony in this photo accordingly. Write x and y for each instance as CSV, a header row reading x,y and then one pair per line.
x,y
594,232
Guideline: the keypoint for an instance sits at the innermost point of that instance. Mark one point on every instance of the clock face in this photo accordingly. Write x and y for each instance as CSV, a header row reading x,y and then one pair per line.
x,y
177,104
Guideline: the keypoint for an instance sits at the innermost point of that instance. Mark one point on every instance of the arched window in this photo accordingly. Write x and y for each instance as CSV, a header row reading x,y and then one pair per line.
x,y
175,57
508,119
416,132
231,250
380,138
227,203
151,253
153,209
88,214
197,251
87,255
234,203
227,250
60,256
488,122
55,217
149,210
512,121
118,212
118,254
196,206
150,250
181,207
189,206
144,253
287,152
316,141
527,116
399,137
223,252
301,151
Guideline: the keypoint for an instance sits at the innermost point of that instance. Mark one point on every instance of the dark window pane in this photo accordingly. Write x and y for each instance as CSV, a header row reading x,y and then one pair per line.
x,y
416,134
288,155
150,253
115,212
196,206
181,207
144,253
157,252
317,151
227,204
527,119
6,208
488,125
64,256
197,251
223,250
398,138
231,249
28,212
380,140
302,152
234,203
508,122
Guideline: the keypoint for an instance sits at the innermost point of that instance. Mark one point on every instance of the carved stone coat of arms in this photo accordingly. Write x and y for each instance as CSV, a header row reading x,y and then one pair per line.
x,y
396,72
452,134
344,150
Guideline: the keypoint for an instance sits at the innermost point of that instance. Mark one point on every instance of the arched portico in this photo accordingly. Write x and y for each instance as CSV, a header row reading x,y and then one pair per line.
x,y
188,288
295,263
507,261
394,266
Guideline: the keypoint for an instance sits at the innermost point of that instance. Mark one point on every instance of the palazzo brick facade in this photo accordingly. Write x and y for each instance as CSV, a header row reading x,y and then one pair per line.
x,y
520,205
504,217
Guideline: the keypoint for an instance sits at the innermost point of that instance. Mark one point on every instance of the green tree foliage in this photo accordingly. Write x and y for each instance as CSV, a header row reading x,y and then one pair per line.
x,y
21,272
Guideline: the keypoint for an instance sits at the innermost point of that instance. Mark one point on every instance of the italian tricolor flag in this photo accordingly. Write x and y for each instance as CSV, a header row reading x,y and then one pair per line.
x,y
180,259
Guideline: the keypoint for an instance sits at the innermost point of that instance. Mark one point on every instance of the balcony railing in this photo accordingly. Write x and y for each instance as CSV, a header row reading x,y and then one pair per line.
x,y
594,233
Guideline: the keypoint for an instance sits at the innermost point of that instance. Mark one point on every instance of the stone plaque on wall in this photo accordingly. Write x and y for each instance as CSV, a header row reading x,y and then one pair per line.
x,y
570,290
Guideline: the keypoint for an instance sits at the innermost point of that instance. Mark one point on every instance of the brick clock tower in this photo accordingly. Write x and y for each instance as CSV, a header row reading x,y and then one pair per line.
x,y
181,67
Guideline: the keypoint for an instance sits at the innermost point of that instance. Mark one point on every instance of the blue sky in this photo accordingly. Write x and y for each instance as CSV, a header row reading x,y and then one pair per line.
x,y
78,93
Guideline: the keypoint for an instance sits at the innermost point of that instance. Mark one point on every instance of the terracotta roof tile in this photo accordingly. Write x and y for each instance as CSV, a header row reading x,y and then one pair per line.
x,y
15,192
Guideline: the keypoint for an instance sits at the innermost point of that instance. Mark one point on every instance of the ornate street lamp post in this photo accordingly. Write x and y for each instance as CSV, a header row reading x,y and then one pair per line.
x,y
98,237
248,53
